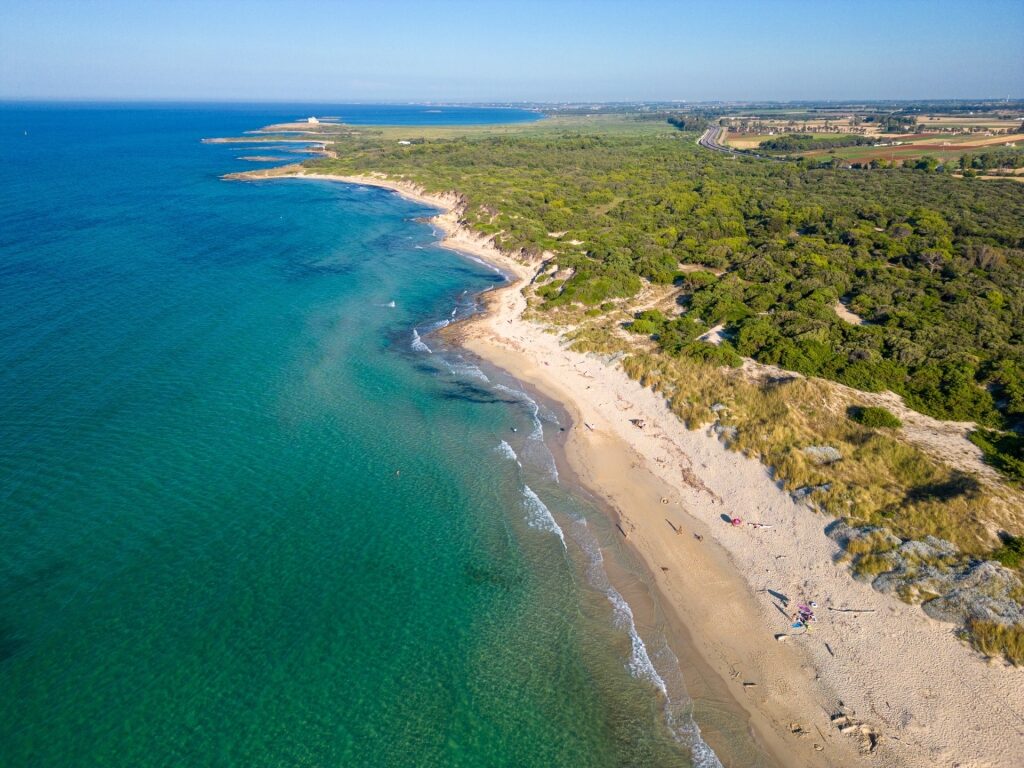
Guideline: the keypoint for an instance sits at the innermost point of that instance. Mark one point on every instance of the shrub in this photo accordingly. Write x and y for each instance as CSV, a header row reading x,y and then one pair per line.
x,y
1003,450
722,354
644,326
995,639
1011,553
875,542
874,417
698,279
871,565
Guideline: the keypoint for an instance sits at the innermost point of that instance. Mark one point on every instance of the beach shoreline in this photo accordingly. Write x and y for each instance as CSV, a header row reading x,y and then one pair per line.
x,y
877,683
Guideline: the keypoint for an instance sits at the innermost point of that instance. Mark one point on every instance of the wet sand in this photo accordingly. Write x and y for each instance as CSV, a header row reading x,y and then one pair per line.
x,y
876,683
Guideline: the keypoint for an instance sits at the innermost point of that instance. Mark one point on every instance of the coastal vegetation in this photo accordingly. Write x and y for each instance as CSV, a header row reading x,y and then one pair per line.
x,y
935,266
686,263
1003,450
995,639
873,416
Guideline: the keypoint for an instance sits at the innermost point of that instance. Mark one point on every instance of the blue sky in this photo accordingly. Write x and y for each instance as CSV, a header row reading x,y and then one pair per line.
x,y
565,50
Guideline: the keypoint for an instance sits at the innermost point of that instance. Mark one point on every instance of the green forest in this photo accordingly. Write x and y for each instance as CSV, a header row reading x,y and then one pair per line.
x,y
896,279
934,265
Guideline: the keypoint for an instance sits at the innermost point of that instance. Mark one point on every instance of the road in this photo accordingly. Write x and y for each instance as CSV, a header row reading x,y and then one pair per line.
x,y
712,139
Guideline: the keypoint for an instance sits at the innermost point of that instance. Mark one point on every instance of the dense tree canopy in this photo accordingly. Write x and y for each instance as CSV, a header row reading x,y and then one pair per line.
x,y
933,264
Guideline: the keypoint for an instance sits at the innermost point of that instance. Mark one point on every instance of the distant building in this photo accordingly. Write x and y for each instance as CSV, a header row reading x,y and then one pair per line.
x,y
404,142
312,120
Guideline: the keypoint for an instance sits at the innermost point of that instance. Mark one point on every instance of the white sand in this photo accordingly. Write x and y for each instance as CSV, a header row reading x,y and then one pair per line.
x,y
901,678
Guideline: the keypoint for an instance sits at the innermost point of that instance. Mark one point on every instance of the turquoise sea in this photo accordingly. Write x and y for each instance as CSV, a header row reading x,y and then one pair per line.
x,y
252,511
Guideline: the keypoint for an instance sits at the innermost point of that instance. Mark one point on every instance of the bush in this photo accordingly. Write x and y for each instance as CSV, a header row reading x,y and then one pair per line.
x,y
995,639
876,418
644,326
875,542
872,565
1011,554
1003,450
722,354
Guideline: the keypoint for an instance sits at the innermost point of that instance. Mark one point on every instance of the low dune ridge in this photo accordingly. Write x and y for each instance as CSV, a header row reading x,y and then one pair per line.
x,y
875,681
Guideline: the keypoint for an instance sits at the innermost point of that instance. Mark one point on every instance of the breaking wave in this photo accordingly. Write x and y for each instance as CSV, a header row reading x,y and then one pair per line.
x,y
678,714
536,449
539,516
417,342
435,326
468,370
507,451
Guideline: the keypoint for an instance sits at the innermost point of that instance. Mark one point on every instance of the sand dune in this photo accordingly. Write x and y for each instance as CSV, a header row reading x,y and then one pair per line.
x,y
876,683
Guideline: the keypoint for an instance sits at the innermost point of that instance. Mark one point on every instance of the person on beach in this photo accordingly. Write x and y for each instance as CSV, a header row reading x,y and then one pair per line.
x,y
805,613
736,522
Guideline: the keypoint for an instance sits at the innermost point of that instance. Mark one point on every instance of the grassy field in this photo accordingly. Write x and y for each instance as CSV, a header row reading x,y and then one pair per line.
x,y
909,137
555,125
947,148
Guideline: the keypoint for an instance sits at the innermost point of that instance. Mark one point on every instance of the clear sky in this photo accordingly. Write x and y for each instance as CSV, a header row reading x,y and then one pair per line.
x,y
560,50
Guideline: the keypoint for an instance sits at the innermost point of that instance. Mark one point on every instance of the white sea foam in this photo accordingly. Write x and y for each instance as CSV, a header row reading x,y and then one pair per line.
x,y
461,368
536,449
507,451
481,262
436,326
678,714
539,516
640,664
417,342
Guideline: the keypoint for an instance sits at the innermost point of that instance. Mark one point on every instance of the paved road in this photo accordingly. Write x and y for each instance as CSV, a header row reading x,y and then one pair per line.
x,y
712,139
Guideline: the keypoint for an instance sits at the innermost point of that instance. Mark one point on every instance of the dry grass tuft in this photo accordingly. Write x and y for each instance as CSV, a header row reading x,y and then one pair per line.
x,y
879,480
995,639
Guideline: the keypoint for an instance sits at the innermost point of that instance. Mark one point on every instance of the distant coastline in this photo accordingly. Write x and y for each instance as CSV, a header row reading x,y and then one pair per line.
x,y
826,699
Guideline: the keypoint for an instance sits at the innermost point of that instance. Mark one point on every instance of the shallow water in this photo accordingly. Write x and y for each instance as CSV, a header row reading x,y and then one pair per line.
x,y
252,513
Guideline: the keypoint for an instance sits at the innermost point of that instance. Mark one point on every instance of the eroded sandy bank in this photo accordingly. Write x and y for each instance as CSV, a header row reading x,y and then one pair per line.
x,y
876,683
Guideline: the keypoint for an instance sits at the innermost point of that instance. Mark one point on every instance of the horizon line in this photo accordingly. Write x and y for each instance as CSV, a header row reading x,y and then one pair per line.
x,y
490,102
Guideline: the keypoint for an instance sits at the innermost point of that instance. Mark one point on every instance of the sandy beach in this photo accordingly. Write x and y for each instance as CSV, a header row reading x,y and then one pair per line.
x,y
877,682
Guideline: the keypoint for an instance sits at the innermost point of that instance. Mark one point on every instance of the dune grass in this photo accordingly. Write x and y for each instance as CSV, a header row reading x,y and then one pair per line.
x,y
879,480
995,640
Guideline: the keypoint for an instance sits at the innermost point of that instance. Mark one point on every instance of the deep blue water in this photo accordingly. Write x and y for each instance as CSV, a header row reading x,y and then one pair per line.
x,y
246,517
